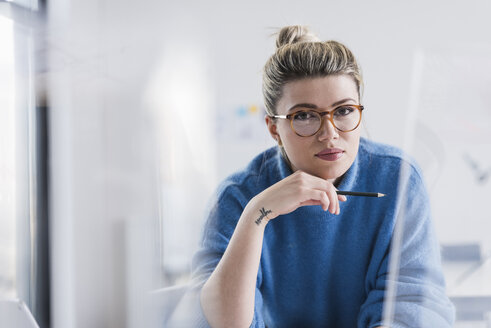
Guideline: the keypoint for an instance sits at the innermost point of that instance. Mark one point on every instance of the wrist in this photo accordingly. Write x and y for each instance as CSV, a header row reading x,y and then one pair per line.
x,y
259,213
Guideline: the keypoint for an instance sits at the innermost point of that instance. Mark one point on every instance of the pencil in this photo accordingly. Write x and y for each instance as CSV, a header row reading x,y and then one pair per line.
x,y
357,193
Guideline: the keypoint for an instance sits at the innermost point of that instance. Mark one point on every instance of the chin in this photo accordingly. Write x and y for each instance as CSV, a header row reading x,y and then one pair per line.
x,y
326,175
332,173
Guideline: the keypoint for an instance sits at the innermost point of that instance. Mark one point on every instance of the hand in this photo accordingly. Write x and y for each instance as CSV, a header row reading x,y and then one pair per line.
x,y
296,190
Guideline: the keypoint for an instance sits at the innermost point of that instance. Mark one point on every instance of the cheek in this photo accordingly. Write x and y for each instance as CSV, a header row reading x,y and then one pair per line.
x,y
284,129
296,147
353,142
288,137
292,144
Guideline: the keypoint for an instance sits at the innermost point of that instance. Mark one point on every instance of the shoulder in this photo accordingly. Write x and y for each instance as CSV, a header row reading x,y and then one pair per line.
x,y
234,192
380,149
254,178
386,157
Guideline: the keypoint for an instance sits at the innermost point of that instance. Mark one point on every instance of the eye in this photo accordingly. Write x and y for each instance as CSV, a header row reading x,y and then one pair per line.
x,y
304,116
344,111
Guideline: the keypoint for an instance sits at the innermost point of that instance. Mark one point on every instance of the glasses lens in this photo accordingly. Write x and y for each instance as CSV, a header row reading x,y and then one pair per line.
x,y
346,118
306,123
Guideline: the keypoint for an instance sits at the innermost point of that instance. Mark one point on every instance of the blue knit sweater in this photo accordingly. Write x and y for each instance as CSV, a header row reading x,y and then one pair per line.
x,y
323,270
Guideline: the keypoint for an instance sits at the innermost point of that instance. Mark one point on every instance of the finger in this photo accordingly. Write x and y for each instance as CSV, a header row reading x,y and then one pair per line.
x,y
326,201
330,190
312,181
319,196
338,207
341,198
311,202
333,199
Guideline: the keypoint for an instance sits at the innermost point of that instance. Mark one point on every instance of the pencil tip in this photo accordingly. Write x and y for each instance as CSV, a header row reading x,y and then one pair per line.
x,y
381,195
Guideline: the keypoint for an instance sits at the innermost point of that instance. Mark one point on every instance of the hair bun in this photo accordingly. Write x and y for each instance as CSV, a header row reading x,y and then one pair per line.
x,y
294,34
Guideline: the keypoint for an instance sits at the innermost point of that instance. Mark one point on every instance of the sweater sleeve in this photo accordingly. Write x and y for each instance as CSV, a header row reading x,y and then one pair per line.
x,y
219,227
420,299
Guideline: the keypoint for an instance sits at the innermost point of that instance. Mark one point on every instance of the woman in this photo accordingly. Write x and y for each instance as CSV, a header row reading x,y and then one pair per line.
x,y
281,248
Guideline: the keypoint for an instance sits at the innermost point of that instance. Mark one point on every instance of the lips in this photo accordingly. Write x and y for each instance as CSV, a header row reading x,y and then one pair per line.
x,y
330,154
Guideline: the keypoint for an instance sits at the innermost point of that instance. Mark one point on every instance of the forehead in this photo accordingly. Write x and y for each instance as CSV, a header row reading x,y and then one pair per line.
x,y
319,91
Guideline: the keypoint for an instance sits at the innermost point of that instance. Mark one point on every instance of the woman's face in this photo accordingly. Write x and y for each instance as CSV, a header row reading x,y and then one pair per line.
x,y
329,153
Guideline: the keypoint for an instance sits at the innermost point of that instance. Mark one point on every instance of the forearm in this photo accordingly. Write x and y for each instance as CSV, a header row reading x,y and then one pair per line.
x,y
227,298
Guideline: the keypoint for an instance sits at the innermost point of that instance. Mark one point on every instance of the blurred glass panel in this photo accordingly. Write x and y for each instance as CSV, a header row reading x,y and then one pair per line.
x,y
456,113
186,150
28,4
7,160
447,131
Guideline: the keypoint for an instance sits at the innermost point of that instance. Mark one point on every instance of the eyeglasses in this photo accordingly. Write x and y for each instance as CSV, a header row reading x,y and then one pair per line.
x,y
307,122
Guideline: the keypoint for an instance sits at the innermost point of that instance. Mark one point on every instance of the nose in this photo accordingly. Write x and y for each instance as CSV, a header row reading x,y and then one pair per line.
x,y
327,131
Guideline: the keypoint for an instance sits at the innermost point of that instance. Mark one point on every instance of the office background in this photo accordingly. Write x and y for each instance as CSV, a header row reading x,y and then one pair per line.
x,y
119,118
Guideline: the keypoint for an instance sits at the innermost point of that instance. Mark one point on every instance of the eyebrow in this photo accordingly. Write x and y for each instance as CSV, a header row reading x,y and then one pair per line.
x,y
313,106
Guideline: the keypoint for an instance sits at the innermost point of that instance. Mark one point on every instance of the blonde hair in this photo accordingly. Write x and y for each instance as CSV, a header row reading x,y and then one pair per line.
x,y
300,54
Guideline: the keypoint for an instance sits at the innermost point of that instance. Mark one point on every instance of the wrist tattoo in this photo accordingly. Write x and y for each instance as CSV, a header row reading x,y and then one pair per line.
x,y
264,213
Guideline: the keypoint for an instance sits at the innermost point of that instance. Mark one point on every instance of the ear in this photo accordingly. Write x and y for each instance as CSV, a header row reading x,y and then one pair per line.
x,y
272,128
